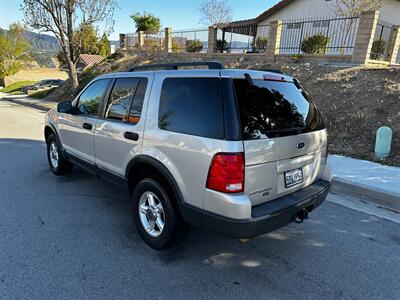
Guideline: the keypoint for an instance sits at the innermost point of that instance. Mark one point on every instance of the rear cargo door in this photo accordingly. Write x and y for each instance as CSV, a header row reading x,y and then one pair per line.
x,y
283,134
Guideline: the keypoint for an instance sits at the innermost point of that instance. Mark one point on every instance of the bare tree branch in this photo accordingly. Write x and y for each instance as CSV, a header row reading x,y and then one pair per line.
x,y
63,18
215,11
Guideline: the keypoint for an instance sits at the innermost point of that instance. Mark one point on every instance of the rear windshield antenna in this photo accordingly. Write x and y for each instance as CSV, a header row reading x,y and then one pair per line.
x,y
249,79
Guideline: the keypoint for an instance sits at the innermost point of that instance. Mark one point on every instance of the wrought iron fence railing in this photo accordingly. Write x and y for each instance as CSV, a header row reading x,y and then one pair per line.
x,y
381,39
191,40
326,35
250,38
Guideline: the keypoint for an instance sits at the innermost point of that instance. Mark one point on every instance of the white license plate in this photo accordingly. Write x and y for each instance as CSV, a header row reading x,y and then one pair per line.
x,y
293,177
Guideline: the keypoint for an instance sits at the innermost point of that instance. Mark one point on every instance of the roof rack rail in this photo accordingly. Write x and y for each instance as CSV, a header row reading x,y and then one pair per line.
x,y
174,66
273,71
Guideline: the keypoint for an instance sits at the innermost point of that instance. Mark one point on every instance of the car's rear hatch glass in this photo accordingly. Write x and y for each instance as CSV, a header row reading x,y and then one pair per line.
x,y
283,135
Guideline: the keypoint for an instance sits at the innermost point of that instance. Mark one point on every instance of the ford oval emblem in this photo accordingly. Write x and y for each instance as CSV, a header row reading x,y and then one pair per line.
x,y
300,145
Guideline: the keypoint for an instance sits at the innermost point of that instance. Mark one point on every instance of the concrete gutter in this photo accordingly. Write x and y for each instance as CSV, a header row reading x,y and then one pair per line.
x,y
369,181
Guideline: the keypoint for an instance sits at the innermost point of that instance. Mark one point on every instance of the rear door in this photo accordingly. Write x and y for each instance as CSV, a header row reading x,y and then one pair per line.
x,y
283,133
119,131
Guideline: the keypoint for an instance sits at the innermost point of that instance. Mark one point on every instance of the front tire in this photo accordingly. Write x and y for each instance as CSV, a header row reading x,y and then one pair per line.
x,y
155,217
57,163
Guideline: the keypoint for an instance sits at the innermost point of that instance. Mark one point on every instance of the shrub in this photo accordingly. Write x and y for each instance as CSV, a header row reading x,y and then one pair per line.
x,y
152,44
222,45
194,46
378,49
260,44
315,44
41,94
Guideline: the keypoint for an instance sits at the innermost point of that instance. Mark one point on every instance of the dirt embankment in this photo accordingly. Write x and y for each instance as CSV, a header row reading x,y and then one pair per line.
x,y
355,101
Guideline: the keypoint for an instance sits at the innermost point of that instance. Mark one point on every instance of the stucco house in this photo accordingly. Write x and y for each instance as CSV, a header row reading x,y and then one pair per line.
x,y
299,17
298,9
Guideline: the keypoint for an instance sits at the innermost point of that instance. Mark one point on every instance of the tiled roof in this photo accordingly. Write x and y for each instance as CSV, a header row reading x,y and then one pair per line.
x,y
90,59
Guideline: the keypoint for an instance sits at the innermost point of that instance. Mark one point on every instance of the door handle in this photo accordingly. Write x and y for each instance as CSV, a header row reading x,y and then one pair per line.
x,y
87,126
131,136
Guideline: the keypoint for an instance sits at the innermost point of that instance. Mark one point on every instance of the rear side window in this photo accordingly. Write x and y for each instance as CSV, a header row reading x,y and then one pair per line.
x,y
91,98
137,102
275,108
120,98
126,99
192,106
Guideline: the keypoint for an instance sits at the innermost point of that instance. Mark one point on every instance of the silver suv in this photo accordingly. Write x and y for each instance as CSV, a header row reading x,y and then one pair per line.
x,y
240,152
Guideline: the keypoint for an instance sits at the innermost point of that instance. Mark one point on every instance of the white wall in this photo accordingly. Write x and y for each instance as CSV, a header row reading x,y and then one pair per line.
x,y
300,9
390,12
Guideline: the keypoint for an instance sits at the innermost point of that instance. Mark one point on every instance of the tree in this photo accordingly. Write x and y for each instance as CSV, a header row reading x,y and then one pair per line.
x,y
60,16
214,12
146,22
89,42
104,46
354,8
86,35
13,49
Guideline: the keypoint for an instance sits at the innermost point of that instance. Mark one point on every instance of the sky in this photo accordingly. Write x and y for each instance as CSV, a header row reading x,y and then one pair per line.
x,y
178,14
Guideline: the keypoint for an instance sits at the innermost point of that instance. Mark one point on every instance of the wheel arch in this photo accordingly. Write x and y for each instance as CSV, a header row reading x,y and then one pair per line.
x,y
144,166
50,129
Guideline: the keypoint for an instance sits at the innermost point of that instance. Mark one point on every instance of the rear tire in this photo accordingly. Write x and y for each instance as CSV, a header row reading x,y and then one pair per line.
x,y
156,219
57,163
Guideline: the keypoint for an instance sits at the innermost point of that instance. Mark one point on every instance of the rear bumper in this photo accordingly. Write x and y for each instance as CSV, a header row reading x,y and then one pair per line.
x,y
268,216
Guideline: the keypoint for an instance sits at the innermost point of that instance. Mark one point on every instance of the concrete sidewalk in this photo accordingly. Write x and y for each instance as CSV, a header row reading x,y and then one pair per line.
x,y
367,180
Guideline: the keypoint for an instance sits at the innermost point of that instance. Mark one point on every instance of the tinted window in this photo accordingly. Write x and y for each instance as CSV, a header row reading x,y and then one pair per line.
x,y
137,102
91,98
275,108
192,106
120,98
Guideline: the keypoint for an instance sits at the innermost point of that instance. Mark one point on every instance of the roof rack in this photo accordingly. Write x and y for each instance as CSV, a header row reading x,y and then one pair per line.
x,y
273,71
175,66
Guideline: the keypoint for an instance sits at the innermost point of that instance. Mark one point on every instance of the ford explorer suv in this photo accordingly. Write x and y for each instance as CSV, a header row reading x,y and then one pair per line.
x,y
238,152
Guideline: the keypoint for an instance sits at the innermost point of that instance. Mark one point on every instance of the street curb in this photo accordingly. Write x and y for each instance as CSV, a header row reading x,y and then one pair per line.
x,y
374,195
33,105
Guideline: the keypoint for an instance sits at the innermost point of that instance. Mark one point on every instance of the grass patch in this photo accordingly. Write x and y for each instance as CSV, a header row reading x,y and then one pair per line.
x,y
16,87
42,94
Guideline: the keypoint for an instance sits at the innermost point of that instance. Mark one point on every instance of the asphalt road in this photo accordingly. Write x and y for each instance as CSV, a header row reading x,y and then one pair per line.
x,y
73,237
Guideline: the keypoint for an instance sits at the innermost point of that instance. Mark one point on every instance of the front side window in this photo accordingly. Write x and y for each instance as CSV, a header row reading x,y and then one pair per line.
x,y
192,106
120,98
275,108
90,100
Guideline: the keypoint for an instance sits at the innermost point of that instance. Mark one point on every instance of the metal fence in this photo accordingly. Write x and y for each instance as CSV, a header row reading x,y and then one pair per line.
x,y
154,41
326,35
131,41
242,39
381,39
191,40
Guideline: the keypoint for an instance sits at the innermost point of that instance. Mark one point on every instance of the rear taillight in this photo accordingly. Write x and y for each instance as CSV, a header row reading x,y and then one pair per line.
x,y
226,173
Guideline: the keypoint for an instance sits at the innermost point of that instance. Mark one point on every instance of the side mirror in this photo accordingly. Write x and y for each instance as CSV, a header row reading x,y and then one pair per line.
x,y
64,107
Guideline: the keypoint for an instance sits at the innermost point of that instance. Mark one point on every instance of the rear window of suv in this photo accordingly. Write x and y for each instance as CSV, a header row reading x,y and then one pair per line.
x,y
192,106
275,108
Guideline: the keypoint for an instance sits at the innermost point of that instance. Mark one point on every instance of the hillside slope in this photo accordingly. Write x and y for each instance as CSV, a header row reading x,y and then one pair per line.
x,y
355,101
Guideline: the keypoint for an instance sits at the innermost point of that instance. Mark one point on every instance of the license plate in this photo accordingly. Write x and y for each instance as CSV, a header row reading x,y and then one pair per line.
x,y
293,177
